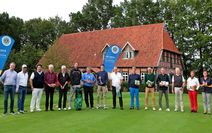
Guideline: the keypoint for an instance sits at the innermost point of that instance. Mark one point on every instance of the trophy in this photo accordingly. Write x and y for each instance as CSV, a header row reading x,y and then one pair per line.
x,y
137,82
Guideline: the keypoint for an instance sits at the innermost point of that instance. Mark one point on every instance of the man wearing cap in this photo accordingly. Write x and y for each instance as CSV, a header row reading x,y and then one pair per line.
x,y
21,87
9,78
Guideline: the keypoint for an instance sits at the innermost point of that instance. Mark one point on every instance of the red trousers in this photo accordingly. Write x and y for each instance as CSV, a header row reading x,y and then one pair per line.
x,y
193,100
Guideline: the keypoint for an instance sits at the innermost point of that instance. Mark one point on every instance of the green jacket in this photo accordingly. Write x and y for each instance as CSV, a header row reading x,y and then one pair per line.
x,y
151,78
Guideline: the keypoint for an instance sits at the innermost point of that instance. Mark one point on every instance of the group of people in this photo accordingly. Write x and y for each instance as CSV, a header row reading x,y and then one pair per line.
x,y
40,81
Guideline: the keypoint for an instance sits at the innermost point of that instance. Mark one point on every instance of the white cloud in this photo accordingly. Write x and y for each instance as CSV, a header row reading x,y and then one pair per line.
x,y
28,9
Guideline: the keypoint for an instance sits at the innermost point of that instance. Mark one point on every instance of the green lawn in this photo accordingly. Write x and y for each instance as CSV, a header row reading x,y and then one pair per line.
x,y
108,121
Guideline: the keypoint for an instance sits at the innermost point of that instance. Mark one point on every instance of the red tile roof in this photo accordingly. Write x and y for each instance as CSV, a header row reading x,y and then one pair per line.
x,y
85,47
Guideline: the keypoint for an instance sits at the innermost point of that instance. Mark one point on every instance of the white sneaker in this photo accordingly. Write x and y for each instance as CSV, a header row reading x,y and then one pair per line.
x,y
146,108
31,111
59,109
182,110
153,109
160,109
69,108
65,109
167,110
38,110
175,110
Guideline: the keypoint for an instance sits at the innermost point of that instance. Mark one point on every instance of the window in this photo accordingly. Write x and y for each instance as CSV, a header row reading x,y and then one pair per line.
x,y
104,52
128,54
125,76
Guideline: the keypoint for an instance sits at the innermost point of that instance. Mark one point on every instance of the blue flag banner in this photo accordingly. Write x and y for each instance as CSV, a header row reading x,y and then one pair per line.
x,y
111,57
6,44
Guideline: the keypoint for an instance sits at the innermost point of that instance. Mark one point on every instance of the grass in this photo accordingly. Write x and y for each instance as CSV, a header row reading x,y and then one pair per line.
x,y
108,121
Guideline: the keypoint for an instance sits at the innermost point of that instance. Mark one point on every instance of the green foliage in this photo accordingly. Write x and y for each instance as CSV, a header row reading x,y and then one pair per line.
x,y
189,23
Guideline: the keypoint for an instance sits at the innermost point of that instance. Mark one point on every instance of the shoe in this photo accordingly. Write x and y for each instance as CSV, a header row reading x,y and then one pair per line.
x,y
182,110
121,108
46,110
105,107
38,110
113,107
52,109
146,108
175,110
64,109
12,113
160,109
138,108
69,108
59,109
21,111
209,113
92,108
167,110
97,107
153,109
131,108
31,110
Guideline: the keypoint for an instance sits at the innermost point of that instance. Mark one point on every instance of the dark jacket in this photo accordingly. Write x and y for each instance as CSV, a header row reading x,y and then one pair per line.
x,y
102,78
160,78
75,76
209,82
63,79
132,79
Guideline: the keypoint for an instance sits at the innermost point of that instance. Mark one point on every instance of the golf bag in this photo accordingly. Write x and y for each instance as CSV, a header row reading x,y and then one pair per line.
x,y
78,99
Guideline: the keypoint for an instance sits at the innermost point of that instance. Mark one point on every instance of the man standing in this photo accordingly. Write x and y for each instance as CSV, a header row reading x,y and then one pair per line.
x,y
89,81
102,79
37,86
63,80
75,77
50,80
163,83
9,78
116,80
192,86
21,87
134,83
178,83
206,84
150,87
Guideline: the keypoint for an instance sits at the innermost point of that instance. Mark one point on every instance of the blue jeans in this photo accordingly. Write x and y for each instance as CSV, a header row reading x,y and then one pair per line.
x,y
134,92
21,97
9,90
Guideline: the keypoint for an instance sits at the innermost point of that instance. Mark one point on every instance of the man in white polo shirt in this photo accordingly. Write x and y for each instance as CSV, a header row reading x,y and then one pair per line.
x,y
21,87
116,80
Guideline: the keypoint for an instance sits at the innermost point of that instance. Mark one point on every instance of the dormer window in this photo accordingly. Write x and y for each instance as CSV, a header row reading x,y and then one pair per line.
x,y
128,51
104,50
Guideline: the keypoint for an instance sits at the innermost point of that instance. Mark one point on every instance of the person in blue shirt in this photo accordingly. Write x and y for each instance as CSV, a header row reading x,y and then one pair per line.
x,y
88,80
9,78
134,83
102,79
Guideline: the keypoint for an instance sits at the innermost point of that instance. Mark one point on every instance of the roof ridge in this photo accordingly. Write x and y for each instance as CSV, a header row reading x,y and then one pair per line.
x,y
118,28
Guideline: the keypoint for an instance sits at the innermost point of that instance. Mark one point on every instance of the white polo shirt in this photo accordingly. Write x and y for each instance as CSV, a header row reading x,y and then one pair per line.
x,y
192,82
116,78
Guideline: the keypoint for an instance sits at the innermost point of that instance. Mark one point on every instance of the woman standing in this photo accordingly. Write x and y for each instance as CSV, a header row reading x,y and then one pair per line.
x,y
206,84
63,80
193,86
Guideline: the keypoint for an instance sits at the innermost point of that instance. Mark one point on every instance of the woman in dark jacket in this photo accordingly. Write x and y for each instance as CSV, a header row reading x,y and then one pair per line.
x,y
63,80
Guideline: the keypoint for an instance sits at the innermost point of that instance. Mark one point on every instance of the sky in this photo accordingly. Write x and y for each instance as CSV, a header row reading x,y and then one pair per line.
x,y
28,9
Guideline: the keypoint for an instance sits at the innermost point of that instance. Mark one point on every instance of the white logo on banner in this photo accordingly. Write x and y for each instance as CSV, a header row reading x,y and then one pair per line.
x,y
6,41
115,49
